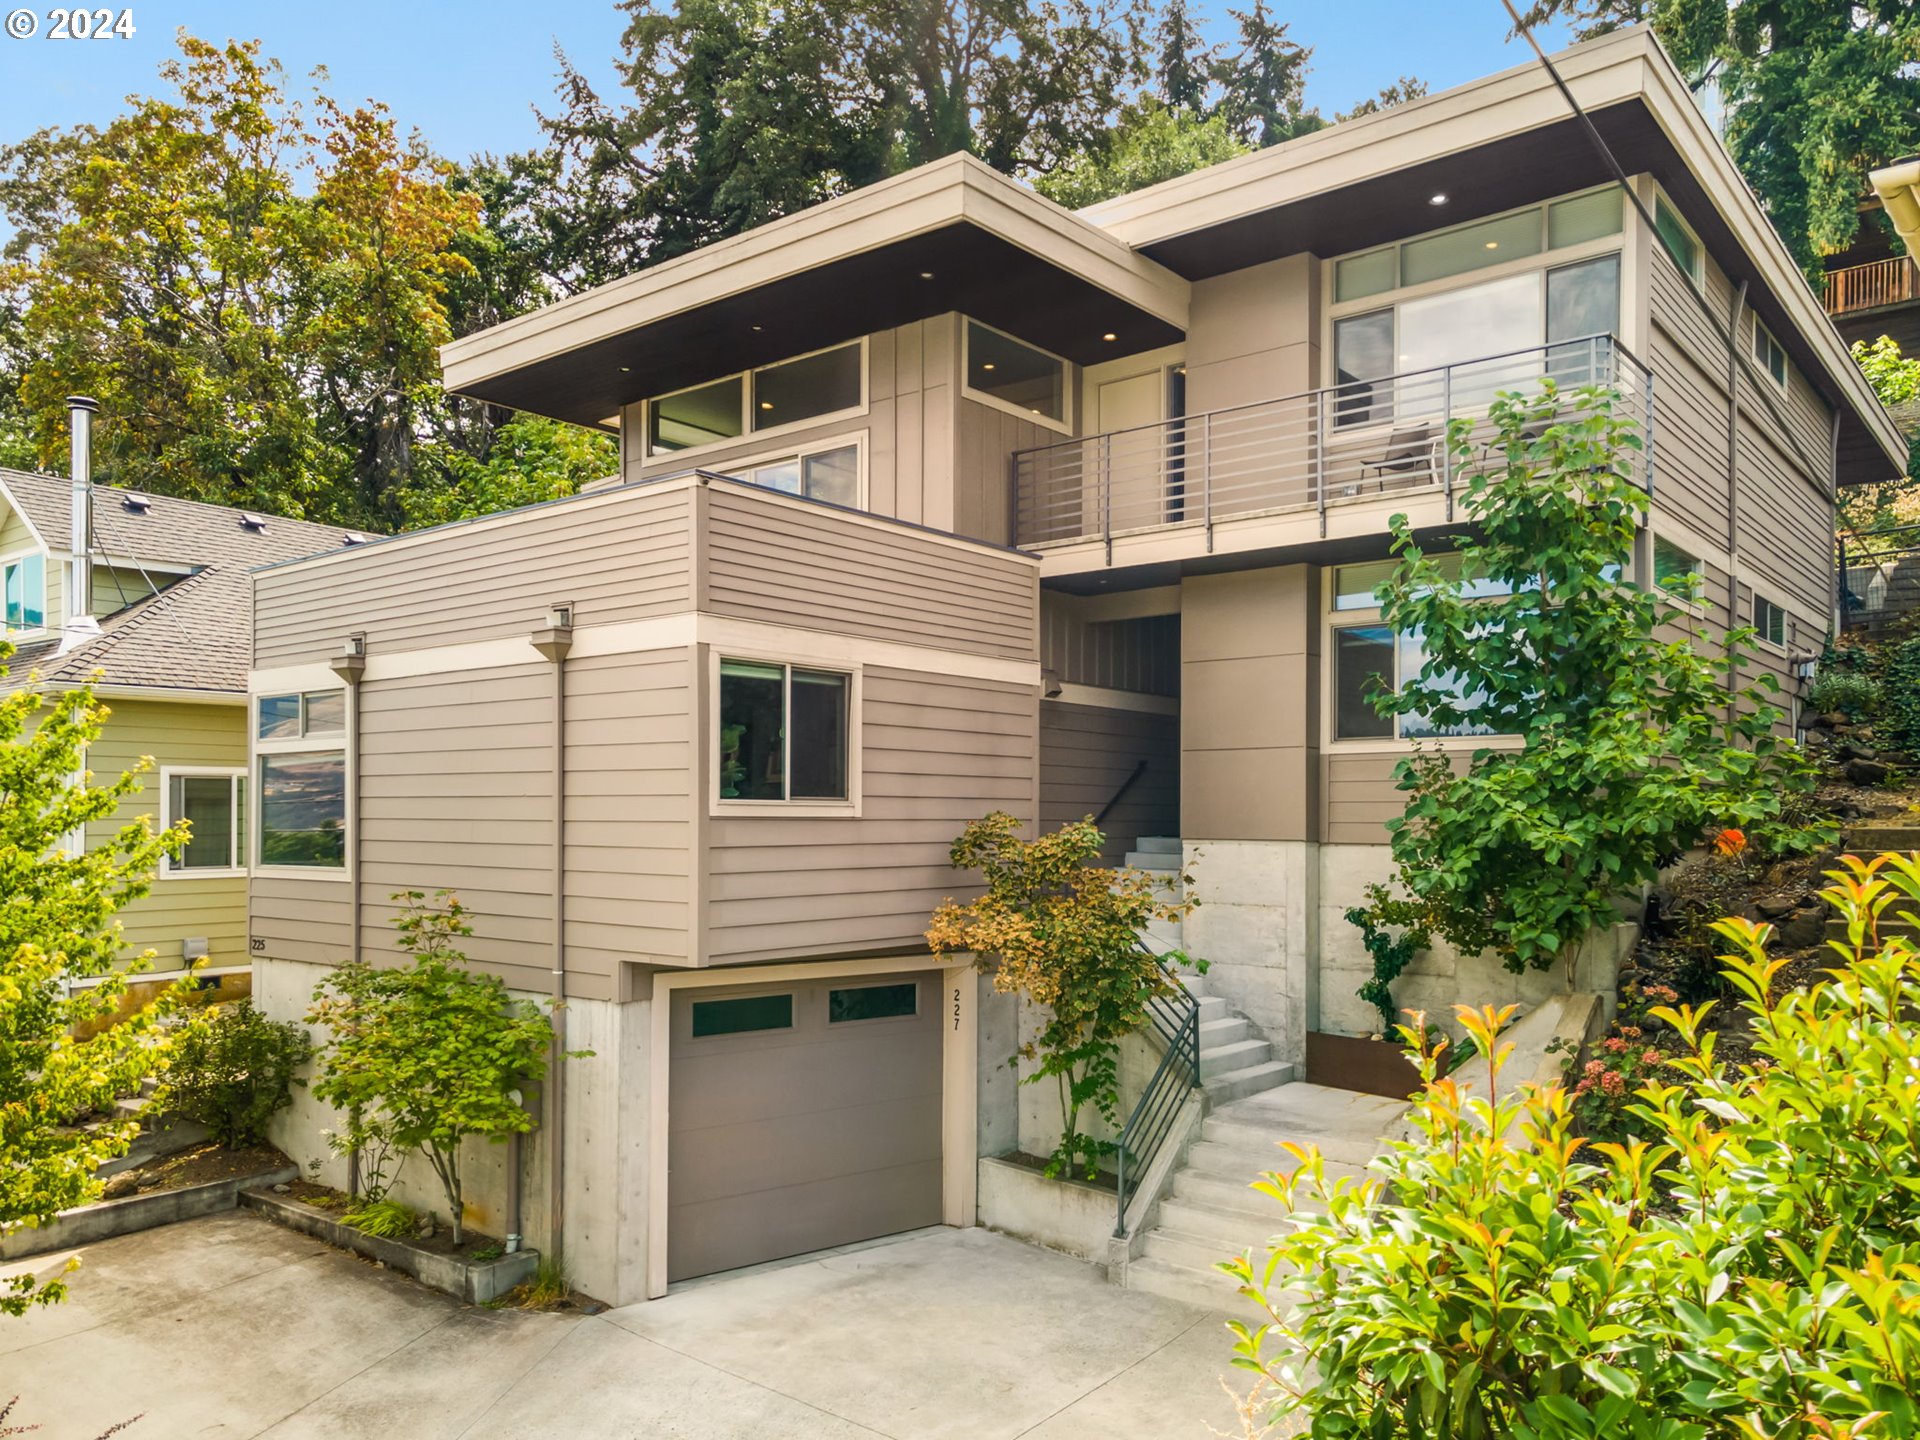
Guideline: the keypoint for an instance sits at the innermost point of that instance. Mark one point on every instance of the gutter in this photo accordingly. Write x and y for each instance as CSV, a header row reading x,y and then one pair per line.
x,y
1898,187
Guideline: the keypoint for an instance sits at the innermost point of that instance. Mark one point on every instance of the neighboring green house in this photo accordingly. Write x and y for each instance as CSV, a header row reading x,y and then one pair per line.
x,y
166,635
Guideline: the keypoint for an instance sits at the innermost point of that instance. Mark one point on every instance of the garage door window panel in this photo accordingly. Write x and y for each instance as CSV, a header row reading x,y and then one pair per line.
x,y
742,1015
872,1002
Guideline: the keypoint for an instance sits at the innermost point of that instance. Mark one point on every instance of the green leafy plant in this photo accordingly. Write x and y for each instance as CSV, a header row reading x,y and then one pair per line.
x,y
1750,1268
1846,692
426,1054
65,1049
1901,724
551,1285
232,1069
1629,750
1391,953
484,1253
388,1219
1061,930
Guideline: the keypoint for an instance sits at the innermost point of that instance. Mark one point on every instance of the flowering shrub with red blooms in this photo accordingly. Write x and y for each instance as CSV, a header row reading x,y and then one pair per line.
x,y
1731,843
1601,1091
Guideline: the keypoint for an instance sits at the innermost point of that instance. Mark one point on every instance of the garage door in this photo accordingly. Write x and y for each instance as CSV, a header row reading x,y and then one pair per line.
x,y
801,1116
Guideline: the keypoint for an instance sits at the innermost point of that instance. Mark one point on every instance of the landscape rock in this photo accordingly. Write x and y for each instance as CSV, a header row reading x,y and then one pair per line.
x,y
1805,928
1852,751
1775,907
283,1189
126,1183
1832,720
1867,772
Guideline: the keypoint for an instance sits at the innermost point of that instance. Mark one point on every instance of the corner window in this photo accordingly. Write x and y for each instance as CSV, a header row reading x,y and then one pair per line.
x,y
301,779
832,475
213,803
1768,355
1017,377
784,732
806,387
25,578
1680,241
1770,621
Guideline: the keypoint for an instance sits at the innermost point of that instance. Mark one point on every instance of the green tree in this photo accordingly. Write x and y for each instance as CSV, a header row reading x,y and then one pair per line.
x,y
57,927
1817,93
1183,69
1057,927
1263,82
424,1055
1748,1271
1153,142
1896,381
1633,745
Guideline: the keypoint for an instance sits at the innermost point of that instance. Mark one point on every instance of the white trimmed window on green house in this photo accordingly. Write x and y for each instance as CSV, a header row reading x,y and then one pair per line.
x,y
213,801
301,777
25,581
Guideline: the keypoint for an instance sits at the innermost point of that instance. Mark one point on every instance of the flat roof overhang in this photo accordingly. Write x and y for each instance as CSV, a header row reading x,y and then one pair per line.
x,y
951,236
1494,145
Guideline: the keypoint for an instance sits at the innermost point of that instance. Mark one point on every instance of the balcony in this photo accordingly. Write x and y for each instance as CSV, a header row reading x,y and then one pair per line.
x,y
1868,287
1230,474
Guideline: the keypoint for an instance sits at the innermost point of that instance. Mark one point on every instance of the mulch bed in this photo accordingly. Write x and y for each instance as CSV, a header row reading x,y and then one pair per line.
x,y
201,1165
440,1242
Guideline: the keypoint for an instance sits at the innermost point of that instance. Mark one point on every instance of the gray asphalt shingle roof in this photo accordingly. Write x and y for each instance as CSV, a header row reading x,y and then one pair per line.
x,y
197,633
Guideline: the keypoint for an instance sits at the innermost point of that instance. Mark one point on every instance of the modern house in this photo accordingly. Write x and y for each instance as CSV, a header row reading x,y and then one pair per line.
x,y
937,499
146,598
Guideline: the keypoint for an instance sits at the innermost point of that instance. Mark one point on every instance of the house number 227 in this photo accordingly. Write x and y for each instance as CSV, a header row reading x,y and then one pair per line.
x,y
956,1007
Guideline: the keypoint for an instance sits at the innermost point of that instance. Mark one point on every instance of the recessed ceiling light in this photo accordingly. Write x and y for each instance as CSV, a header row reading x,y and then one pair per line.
x,y
1437,199
766,404
626,369
1493,244
1109,336
987,365
756,329
926,274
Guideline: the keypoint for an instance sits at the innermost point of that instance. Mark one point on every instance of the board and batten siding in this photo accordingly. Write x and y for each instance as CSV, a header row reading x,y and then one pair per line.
x,y
1088,752
616,555
179,907
936,752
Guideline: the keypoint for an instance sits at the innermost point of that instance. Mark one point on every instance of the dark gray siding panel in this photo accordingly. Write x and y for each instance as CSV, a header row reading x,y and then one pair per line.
x,y
1088,752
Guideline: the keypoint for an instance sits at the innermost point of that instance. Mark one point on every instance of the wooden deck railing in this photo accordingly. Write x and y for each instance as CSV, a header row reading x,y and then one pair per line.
x,y
1866,287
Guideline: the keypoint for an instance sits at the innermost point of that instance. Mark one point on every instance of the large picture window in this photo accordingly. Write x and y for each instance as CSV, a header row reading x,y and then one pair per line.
x,y
1365,653
25,578
785,733
808,387
301,779
213,802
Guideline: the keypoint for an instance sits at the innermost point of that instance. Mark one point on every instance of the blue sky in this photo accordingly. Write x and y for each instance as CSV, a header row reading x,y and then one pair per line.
x,y
467,75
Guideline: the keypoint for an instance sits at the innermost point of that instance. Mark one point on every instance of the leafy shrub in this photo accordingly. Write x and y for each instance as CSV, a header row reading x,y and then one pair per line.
x,y
1058,928
388,1219
1631,747
1391,953
1605,1087
1851,693
231,1069
423,1055
1755,1272
1901,723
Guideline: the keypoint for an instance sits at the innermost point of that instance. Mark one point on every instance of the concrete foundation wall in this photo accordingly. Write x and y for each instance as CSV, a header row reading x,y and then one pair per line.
x,y
1258,927
606,1221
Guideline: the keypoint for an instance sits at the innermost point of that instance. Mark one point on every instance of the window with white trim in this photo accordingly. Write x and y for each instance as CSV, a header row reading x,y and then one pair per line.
x,y
784,733
213,802
25,581
1013,375
807,387
1769,621
828,472
1768,354
1365,653
1676,569
301,779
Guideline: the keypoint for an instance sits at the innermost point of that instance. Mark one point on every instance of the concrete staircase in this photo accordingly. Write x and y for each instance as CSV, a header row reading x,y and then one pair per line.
x,y
1210,1213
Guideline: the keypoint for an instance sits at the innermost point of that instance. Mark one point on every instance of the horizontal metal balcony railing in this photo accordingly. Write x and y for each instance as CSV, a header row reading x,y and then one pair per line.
x,y
1867,287
1353,440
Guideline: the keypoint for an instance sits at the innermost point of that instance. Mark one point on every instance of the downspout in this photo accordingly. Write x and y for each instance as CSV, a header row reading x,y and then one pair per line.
x,y
1733,488
351,666
79,624
554,641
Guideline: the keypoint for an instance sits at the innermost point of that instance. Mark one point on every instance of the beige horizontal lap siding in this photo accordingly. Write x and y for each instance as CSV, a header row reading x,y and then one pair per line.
x,y
1786,529
1360,797
630,817
790,563
936,753
1690,409
1087,753
624,555
292,917
177,908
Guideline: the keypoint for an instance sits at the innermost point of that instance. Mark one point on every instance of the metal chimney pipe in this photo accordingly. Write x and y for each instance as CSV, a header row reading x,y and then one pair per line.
x,y
80,412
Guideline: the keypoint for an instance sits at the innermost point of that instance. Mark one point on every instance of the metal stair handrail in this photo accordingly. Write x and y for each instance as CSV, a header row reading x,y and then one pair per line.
x,y
1176,1017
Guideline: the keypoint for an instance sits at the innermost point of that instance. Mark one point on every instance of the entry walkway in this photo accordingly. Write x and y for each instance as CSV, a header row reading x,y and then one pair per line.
x,y
233,1327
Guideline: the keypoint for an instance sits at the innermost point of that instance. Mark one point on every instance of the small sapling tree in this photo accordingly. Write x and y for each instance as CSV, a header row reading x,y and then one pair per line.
x,y
1635,738
57,926
1058,928
425,1054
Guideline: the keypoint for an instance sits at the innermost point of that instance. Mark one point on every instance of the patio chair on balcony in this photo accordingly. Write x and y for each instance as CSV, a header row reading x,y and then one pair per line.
x,y
1407,460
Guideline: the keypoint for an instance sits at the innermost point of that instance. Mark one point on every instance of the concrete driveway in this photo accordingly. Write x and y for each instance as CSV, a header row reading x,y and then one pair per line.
x,y
231,1326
